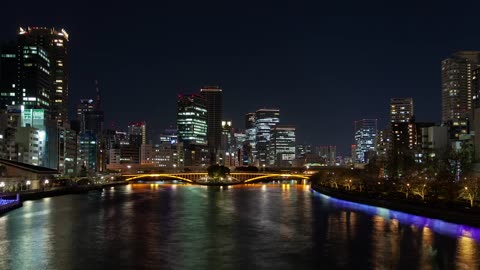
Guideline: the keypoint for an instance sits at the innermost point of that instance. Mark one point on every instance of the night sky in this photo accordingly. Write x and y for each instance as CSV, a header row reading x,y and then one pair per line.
x,y
322,65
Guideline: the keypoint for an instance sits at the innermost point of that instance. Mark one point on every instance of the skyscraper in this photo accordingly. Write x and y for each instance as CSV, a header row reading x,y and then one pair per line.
x,y
34,77
192,119
365,134
250,120
55,43
137,133
328,153
9,94
83,108
476,114
192,128
283,145
402,124
457,90
213,98
265,121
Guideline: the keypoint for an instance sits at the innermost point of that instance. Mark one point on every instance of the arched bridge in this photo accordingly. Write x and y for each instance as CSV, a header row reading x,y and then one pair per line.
x,y
200,177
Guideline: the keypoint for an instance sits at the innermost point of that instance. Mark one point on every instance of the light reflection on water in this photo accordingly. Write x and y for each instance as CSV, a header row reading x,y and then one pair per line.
x,y
280,226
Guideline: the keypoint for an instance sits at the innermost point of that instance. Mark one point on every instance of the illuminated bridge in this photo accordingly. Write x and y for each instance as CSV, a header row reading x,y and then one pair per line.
x,y
199,178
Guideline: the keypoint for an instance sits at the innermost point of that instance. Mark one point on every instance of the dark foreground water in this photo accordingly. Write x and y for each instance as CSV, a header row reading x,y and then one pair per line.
x,y
151,226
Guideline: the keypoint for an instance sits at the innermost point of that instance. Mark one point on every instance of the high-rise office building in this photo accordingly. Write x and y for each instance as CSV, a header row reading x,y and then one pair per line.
x,y
328,153
249,152
227,135
365,134
250,120
192,129
169,135
84,107
213,97
282,146
34,77
137,132
192,119
87,153
302,149
9,95
265,121
54,43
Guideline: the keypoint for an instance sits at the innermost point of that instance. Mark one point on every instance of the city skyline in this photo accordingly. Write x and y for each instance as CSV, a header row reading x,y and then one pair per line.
x,y
250,135
313,60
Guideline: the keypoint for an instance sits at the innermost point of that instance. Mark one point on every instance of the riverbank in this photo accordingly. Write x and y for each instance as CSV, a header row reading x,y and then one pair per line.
x,y
465,216
17,199
59,191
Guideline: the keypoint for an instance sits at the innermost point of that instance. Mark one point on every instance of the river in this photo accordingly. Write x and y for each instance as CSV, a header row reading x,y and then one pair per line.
x,y
258,226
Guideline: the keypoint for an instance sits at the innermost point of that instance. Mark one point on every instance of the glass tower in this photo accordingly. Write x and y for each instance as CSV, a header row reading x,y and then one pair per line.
x,y
55,44
265,121
365,133
192,119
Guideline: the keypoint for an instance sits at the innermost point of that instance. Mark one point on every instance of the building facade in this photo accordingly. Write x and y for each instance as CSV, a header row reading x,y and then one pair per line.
x,y
192,129
458,92
365,134
283,146
214,101
265,121
54,43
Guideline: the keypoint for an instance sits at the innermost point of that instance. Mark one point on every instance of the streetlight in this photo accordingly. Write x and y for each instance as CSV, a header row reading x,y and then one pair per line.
x,y
28,184
263,167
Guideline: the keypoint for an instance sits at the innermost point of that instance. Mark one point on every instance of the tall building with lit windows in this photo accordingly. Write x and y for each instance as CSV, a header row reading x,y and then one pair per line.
x,y
365,134
52,44
192,129
476,111
137,132
265,121
192,119
458,92
401,110
213,97
34,77
9,94
402,124
283,145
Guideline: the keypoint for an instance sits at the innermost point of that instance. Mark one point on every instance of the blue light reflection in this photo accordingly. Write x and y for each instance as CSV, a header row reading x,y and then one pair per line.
x,y
436,225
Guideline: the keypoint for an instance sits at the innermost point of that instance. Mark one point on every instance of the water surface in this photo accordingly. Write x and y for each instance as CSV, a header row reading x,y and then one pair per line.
x,y
166,226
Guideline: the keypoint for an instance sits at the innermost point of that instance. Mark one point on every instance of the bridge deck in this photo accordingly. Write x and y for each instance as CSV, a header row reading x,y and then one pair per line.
x,y
195,177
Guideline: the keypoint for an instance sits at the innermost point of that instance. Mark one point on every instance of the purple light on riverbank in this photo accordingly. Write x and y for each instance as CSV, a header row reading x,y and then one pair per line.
x,y
436,225
6,202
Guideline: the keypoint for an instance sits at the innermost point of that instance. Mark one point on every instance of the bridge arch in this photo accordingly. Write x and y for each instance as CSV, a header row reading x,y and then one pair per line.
x,y
130,177
257,178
